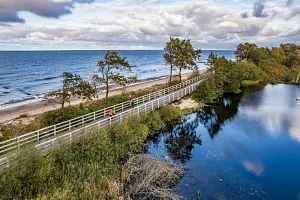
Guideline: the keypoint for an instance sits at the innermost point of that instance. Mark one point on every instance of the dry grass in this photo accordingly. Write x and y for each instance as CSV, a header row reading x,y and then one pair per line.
x,y
148,178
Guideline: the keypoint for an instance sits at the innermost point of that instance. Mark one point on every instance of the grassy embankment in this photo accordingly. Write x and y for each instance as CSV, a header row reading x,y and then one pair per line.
x,y
56,116
90,168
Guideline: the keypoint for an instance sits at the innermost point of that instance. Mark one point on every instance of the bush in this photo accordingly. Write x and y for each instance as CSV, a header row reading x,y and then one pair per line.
x,y
275,71
207,91
170,113
56,116
152,120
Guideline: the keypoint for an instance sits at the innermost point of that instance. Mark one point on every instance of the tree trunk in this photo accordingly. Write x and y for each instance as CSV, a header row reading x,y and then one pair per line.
x,y
180,74
63,102
171,69
95,88
106,90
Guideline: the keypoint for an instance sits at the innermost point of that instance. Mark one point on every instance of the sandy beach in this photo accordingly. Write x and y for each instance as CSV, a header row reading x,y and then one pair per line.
x,y
35,108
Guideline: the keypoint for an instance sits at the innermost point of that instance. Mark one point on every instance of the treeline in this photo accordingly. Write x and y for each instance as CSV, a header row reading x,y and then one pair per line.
x,y
253,65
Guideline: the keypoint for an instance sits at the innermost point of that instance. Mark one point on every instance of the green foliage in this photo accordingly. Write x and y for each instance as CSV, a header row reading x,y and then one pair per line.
x,y
170,113
169,55
181,54
208,91
56,116
275,71
152,120
110,69
253,65
251,72
73,85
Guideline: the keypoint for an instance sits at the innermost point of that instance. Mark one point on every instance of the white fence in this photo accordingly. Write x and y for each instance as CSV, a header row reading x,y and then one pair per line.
x,y
68,130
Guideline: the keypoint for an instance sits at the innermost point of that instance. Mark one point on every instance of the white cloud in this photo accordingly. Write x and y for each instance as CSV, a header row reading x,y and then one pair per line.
x,y
149,24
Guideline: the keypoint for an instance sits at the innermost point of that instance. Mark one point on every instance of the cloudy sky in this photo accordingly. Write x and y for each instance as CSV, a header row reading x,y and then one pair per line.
x,y
145,24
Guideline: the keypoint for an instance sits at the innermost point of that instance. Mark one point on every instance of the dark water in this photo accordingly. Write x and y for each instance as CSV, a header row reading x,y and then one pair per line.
x,y
251,141
28,75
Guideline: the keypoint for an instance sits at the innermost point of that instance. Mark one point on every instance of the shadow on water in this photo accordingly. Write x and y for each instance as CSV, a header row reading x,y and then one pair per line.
x,y
181,140
225,109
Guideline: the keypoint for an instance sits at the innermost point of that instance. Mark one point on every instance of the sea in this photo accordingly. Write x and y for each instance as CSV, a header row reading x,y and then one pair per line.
x,y
26,76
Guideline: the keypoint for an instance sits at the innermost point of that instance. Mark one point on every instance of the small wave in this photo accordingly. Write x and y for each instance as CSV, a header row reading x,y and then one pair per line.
x,y
46,78
6,87
18,102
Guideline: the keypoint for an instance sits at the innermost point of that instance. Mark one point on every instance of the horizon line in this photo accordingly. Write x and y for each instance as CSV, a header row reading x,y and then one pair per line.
x,y
109,50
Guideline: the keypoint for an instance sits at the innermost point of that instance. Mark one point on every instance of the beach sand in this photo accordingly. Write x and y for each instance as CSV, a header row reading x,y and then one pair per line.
x,y
31,109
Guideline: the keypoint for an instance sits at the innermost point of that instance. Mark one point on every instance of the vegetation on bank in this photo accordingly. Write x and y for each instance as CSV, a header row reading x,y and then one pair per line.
x,y
253,65
89,168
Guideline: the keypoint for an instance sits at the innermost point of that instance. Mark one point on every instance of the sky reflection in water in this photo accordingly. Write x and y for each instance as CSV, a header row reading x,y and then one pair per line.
x,y
251,141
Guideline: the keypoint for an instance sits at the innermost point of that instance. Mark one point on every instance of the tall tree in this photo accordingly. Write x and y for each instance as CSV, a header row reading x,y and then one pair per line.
x,y
181,54
73,85
170,52
110,69
186,56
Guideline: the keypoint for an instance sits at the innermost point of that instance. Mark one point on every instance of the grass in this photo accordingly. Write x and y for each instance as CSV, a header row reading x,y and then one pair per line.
x,y
90,168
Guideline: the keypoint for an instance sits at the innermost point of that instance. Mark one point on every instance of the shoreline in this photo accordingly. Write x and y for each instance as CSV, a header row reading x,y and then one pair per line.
x,y
38,107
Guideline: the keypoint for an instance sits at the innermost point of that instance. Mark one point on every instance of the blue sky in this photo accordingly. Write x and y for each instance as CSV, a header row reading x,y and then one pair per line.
x,y
145,24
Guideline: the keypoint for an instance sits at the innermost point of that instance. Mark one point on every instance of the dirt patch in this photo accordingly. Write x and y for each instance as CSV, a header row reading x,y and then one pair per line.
x,y
188,103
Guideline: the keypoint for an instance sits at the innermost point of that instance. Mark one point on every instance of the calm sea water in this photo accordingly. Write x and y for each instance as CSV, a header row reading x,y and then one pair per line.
x,y
29,75
251,141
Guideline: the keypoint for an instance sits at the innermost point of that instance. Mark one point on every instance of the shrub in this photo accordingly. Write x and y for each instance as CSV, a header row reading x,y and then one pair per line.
x,y
170,113
207,91
152,120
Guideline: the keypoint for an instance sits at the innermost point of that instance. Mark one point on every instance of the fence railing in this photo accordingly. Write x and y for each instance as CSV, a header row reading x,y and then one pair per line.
x,y
67,126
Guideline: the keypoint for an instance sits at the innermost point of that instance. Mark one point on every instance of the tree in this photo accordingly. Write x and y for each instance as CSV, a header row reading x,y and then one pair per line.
x,y
186,56
96,80
73,85
170,51
110,69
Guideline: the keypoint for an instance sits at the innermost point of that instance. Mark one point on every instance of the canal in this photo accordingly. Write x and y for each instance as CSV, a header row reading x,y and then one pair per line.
x,y
245,146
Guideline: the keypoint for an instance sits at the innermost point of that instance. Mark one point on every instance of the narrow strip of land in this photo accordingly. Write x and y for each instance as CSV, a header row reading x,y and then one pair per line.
x,y
35,108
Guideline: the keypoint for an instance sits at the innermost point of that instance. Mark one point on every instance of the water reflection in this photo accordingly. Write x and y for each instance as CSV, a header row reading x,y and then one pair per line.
x,y
214,117
181,140
251,141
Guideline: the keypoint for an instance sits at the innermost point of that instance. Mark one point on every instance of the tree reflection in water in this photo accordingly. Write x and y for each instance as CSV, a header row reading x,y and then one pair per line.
x,y
226,108
181,140
213,117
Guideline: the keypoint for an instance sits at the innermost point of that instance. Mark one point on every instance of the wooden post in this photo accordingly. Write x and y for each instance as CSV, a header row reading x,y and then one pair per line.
x,y
54,130
18,143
